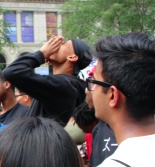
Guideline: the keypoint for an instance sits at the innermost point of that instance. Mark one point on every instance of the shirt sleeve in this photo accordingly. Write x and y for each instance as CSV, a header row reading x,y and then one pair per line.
x,y
45,89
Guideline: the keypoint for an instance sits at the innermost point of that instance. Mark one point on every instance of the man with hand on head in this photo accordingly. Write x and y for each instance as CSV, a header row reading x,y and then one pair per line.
x,y
55,96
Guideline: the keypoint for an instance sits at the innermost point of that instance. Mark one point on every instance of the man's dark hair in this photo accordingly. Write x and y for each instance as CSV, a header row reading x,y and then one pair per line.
x,y
21,92
4,80
84,116
128,62
37,142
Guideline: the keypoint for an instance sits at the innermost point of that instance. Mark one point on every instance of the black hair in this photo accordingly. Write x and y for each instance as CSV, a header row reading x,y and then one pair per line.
x,y
37,142
83,115
21,92
128,62
4,80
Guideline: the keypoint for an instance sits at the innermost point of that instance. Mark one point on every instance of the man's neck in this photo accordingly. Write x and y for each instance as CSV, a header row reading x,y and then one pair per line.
x,y
128,129
63,69
8,103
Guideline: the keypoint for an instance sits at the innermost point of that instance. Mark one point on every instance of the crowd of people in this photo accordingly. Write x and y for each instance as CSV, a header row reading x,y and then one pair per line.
x,y
60,120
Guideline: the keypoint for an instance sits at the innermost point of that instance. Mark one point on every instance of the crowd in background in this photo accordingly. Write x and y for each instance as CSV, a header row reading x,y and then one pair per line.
x,y
60,120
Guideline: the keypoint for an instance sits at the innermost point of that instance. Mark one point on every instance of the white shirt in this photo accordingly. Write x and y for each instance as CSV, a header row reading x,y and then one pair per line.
x,y
133,152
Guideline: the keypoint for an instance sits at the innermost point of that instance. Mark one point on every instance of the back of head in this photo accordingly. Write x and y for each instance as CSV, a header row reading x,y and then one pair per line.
x,y
84,116
83,51
22,93
37,142
128,62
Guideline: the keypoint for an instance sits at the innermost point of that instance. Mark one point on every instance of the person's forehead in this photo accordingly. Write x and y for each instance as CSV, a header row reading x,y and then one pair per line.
x,y
17,92
69,45
98,71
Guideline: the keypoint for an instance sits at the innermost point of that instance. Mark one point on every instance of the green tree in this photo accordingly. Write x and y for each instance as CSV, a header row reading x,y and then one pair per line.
x,y
4,39
89,20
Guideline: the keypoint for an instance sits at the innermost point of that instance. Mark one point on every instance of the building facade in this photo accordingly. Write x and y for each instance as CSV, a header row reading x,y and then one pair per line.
x,y
33,22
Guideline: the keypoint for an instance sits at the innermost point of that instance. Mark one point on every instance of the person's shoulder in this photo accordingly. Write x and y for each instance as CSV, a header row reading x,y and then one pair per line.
x,y
110,162
22,107
137,148
19,111
66,80
102,123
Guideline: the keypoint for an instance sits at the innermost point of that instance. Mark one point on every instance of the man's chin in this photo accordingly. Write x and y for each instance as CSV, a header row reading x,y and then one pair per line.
x,y
97,115
91,107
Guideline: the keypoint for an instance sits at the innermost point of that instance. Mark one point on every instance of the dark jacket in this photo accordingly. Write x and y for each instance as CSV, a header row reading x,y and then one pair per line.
x,y
55,96
103,144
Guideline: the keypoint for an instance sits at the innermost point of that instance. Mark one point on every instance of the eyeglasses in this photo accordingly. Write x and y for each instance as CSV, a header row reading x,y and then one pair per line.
x,y
20,95
90,82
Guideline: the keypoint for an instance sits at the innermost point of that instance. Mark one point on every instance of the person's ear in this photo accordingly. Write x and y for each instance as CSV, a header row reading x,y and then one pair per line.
x,y
113,96
72,58
26,98
7,85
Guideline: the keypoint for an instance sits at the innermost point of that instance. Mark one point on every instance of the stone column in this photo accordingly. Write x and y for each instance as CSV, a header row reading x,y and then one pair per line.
x,y
1,16
18,25
35,27
59,22
39,26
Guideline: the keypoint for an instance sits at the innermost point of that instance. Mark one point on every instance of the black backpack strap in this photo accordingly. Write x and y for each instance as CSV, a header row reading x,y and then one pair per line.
x,y
121,162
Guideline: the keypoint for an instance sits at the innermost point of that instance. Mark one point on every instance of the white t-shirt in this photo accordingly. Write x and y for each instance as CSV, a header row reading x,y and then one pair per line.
x,y
133,152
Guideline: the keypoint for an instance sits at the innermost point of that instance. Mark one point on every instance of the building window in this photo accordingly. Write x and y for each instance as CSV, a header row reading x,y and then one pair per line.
x,y
11,18
27,26
51,24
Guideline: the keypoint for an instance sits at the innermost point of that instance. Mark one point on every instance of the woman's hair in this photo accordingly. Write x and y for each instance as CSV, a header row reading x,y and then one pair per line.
x,y
37,142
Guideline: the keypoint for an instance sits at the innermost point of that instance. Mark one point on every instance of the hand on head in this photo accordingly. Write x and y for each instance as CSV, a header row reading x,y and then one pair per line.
x,y
51,47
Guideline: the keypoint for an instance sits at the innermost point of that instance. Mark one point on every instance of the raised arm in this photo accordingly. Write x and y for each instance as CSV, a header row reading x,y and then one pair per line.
x,y
21,73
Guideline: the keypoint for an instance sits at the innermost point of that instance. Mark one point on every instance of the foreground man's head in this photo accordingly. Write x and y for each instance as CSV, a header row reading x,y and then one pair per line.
x,y
127,65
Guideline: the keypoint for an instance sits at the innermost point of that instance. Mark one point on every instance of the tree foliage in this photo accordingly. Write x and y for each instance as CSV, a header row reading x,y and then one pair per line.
x,y
4,39
89,20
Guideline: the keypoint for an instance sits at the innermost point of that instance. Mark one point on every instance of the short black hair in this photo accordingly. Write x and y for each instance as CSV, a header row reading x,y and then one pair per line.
x,y
37,142
83,115
21,92
4,80
128,62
